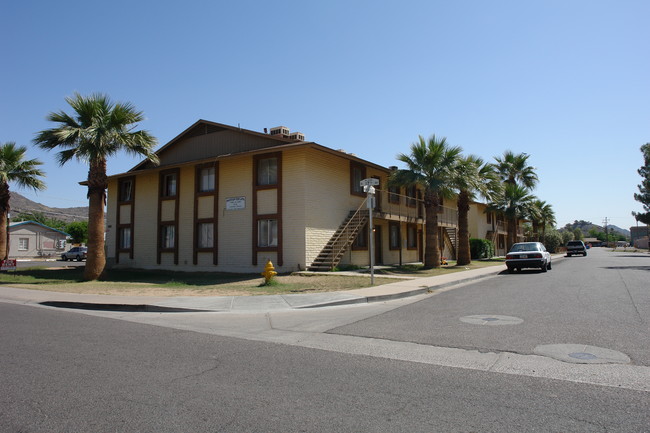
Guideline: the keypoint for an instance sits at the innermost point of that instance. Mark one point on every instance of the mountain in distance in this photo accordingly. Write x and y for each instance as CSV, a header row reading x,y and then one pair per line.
x,y
22,204
585,226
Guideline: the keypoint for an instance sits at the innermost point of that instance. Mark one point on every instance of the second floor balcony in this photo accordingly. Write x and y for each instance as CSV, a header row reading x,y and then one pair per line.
x,y
399,207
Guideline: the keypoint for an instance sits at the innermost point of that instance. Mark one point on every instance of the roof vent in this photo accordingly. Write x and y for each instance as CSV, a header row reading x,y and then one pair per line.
x,y
297,136
280,130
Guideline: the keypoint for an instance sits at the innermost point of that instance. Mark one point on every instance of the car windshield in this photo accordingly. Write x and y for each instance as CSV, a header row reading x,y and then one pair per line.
x,y
523,247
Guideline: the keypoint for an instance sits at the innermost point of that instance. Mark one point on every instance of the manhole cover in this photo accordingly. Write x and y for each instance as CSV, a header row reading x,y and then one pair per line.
x,y
491,320
582,354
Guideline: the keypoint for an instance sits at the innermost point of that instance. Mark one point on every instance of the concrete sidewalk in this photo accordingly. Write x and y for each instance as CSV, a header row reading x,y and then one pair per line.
x,y
399,289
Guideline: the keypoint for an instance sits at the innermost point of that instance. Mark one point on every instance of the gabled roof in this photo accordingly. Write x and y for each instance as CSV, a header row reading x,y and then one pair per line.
x,y
202,127
276,142
20,223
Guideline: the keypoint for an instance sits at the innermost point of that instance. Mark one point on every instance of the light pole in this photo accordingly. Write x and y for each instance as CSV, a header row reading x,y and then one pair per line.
x,y
369,187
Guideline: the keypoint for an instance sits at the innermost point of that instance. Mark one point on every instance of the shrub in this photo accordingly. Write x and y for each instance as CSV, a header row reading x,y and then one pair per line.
x,y
553,240
481,249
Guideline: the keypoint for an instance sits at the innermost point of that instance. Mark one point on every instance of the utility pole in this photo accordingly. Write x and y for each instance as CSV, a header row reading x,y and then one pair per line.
x,y
606,233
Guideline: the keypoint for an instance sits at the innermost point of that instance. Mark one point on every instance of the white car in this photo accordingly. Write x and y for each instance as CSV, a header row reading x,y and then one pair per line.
x,y
528,255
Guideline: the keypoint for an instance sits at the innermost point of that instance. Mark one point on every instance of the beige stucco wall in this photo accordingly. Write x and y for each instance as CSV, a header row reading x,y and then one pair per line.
x,y
315,200
41,241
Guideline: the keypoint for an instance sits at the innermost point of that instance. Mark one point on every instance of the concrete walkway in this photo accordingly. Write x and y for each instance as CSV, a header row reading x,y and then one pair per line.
x,y
399,289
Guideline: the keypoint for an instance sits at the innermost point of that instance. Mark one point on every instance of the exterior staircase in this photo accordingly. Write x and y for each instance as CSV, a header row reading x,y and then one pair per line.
x,y
451,240
341,241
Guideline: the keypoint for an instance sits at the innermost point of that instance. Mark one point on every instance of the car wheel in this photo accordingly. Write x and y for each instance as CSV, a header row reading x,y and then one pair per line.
x,y
549,266
64,258
511,270
78,258
544,267
585,254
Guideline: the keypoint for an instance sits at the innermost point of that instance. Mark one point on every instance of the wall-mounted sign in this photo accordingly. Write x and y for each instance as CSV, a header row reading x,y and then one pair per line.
x,y
235,203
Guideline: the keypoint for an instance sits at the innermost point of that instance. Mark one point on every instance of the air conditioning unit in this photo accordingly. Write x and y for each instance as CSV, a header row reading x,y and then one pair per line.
x,y
297,136
280,130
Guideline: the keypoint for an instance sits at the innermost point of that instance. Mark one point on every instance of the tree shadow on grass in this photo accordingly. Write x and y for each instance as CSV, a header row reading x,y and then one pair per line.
x,y
169,278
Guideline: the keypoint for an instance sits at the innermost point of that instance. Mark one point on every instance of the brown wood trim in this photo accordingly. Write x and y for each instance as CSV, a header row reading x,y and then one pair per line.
x,y
277,216
215,218
174,223
414,227
392,224
353,165
131,222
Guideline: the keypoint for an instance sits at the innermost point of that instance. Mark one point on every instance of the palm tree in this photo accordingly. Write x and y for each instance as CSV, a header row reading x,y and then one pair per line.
x,y
98,130
514,204
24,173
472,177
430,167
547,215
514,170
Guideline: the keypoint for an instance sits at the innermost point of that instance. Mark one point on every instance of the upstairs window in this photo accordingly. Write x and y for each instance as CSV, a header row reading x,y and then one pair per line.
x,y
357,174
411,193
206,179
393,194
267,171
126,190
169,185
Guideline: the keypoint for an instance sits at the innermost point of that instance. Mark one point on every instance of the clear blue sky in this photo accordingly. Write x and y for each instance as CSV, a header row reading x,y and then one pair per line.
x,y
567,82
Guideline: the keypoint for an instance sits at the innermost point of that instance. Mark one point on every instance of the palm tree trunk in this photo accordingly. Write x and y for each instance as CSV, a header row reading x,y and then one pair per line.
x,y
4,212
432,250
512,232
97,183
464,255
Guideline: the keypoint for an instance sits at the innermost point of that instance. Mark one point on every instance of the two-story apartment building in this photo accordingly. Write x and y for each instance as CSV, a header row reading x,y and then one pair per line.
x,y
229,199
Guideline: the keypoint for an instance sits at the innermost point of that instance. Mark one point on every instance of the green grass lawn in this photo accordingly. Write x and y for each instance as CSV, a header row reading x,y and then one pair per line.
x,y
173,283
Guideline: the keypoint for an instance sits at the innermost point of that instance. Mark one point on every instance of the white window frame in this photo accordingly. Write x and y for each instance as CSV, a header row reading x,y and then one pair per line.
x,y
23,244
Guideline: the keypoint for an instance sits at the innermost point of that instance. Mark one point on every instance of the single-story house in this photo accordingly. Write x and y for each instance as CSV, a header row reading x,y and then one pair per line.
x,y
31,239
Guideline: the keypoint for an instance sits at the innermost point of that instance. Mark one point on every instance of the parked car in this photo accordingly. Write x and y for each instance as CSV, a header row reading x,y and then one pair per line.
x,y
528,255
75,253
576,247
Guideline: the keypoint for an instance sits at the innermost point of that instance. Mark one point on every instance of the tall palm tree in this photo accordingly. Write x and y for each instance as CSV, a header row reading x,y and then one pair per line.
x,y
472,177
514,204
430,167
535,216
547,216
24,173
98,130
514,170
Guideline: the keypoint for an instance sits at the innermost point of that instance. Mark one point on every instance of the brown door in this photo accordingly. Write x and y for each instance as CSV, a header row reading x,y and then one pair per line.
x,y
379,258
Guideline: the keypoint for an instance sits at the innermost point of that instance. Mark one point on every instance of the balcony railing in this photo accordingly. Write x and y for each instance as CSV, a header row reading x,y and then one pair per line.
x,y
401,207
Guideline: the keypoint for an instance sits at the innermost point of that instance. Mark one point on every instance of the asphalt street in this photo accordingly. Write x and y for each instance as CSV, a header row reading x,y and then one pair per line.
x,y
600,300
461,359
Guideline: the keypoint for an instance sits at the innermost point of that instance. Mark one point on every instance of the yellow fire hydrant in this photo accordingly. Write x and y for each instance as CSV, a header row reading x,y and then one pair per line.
x,y
269,272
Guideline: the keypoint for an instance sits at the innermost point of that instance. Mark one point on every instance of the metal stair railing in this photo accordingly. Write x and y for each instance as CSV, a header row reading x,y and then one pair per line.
x,y
342,239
